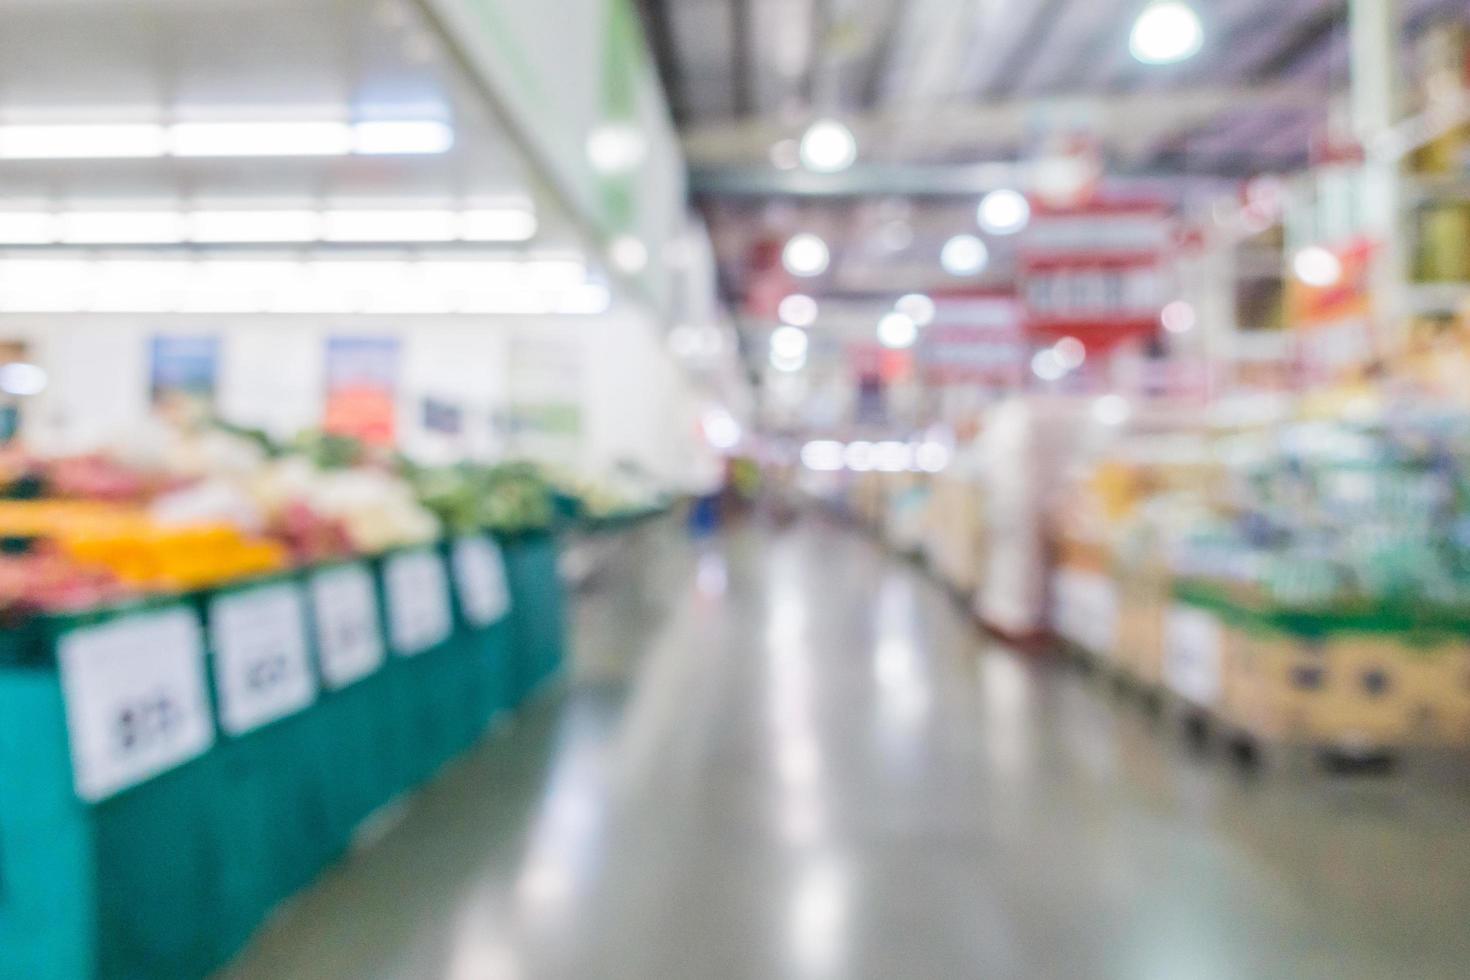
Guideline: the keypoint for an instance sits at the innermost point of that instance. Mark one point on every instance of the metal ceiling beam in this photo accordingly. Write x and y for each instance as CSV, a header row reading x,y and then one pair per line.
x,y
742,75
660,31
1302,41
1022,53
1126,121
914,180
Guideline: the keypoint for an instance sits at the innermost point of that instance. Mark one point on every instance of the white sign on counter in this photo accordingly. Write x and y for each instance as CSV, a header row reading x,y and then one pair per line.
x,y
418,602
479,572
1193,652
137,703
262,671
1085,610
345,612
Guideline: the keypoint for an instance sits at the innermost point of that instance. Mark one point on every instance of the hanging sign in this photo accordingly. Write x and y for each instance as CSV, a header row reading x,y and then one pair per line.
x,y
1094,273
137,703
418,601
261,667
479,574
973,339
362,386
345,613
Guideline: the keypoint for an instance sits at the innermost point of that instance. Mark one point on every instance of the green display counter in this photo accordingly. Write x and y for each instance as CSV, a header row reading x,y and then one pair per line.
x,y
170,771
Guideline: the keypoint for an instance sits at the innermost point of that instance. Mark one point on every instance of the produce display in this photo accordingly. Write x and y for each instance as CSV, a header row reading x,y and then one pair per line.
x,y
174,509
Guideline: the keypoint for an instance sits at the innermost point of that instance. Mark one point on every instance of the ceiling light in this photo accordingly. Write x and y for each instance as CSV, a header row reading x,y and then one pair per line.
x,y
254,226
1071,352
806,255
828,147
787,364
1047,366
931,457
629,255
1003,212
260,139
389,226
917,307
892,457
388,138
788,343
121,228
28,228
1111,410
20,378
1178,316
616,148
897,331
81,142
1165,32
798,310
964,255
823,455
721,429
858,456
1317,266
498,225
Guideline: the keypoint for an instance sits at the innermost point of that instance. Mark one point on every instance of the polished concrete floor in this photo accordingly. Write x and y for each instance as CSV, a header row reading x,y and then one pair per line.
x,y
784,755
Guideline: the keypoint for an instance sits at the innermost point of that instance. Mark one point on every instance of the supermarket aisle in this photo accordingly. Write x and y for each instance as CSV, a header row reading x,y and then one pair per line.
x,y
792,757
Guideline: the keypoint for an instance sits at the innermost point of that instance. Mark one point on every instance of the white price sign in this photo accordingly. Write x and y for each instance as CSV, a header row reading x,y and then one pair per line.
x,y
1193,653
479,572
261,668
137,703
1085,610
418,602
345,612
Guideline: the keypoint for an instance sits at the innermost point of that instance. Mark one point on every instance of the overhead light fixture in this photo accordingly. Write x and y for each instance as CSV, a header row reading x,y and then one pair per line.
x,y
1111,410
964,255
628,254
254,226
798,309
22,379
1178,316
931,457
828,147
106,141
788,365
615,148
1003,212
121,228
806,255
516,224
721,429
823,455
917,307
1047,365
389,226
1071,352
788,343
897,331
1317,266
1165,32
72,142
260,139
402,137
858,456
29,228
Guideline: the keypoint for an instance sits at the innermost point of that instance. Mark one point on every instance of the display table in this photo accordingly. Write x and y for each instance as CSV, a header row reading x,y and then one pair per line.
x,y
171,770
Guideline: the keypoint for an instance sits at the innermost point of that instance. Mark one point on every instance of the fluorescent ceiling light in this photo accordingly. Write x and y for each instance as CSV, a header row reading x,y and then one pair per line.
x,y
897,331
628,254
121,228
389,226
964,255
65,142
393,138
1165,32
828,147
798,309
788,343
1003,212
255,226
806,255
28,228
260,139
917,307
1047,365
498,225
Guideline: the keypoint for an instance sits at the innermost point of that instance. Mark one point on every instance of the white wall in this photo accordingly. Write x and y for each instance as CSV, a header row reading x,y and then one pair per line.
x,y
633,397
